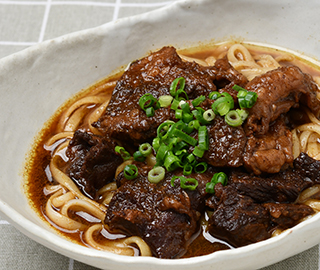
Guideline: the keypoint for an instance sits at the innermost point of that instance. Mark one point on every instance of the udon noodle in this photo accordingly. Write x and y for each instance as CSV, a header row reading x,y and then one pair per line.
x,y
70,211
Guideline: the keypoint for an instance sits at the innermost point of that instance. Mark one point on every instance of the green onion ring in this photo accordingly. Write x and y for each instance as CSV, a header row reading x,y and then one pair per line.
x,y
130,171
233,119
156,174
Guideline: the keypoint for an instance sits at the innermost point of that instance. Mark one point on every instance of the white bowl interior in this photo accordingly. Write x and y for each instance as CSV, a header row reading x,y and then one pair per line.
x,y
36,81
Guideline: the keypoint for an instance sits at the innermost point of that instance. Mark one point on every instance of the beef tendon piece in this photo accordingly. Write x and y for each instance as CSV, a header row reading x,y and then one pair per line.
x,y
124,119
281,187
93,162
279,90
165,217
308,167
271,152
287,215
237,219
226,144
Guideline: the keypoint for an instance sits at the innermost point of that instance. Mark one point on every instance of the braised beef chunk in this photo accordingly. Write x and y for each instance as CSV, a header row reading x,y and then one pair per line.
x,y
287,215
165,217
227,76
271,152
92,162
226,144
278,91
238,219
281,187
153,74
308,167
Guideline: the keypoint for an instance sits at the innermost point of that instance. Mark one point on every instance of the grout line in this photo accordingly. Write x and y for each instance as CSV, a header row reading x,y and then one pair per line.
x,y
116,10
71,263
45,20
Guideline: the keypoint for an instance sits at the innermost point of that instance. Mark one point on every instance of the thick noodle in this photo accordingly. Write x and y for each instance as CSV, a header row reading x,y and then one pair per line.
x,y
66,205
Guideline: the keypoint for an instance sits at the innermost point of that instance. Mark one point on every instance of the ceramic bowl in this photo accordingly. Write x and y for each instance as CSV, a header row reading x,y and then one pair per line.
x,y
36,81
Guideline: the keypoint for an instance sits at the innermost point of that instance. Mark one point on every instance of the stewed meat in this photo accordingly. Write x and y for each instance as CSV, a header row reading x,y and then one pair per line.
x,y
93,161
278,91
154,74
271,152
166,217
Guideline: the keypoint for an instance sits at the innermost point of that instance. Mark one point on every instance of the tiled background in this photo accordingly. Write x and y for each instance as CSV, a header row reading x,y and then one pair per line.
x,y
24,23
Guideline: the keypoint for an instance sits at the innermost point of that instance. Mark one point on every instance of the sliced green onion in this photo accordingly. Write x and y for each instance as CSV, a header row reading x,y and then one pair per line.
x,y
146,101
251,99
196,102
187,169
209,115
150,112
198,152
138,156
187,117
220,177
156,143
214,95
238,88
174,104
223,104
201,167
243,114
130,171
198,114
194,124
178,114
185,107
156,174
180,146
174,90
171,162
233,119
188,183
185,137
163,129
191,158
145,149
210,187
203,138
165,101
123,153
162,152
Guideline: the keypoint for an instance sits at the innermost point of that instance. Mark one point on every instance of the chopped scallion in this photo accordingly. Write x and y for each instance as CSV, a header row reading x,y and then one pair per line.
x,y
156,174
130,171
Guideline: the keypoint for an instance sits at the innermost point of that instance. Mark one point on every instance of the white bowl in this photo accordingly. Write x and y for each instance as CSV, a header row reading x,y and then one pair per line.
x,y
36,81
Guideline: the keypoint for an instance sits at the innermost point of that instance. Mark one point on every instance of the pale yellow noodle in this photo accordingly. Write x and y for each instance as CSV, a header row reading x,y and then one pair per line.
x,y
314,204
309,192
107,188
81,205
313,145
304,137
192,59
114,246
84,101
59,136
61,220
295,144
75,119
96,114
62,199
